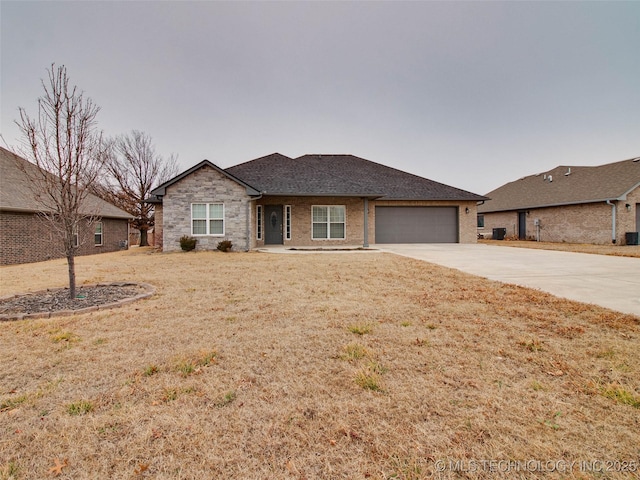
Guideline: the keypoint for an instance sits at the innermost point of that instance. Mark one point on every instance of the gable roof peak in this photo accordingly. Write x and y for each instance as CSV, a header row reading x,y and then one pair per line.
x,y
157,193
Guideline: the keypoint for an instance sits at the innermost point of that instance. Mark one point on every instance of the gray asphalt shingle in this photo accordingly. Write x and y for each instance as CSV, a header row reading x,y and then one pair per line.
x,y
565,185
341,175
17,192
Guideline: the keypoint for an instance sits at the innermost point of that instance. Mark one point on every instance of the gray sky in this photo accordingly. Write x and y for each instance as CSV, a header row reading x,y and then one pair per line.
x,y
473,95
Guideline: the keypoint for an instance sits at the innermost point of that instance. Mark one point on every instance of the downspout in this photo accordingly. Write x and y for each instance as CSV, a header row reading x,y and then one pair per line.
x,y
366,223
613,221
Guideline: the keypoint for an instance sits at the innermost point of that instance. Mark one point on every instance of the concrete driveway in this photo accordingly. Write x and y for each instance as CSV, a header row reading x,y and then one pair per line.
x,y
611,282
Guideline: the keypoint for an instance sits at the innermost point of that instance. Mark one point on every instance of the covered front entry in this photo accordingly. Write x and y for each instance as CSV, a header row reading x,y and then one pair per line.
x,y
416,224
273,225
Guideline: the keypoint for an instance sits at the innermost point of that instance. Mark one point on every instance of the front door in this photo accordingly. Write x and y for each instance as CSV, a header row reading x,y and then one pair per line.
x,y
522,225
273,224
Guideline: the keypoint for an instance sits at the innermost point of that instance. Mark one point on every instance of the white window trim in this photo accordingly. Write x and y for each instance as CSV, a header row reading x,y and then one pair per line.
x,y
287,220
101,234
259,222
208,219
344,237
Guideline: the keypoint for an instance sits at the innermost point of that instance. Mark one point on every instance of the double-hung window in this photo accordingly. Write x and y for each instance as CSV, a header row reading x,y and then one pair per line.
x,y
328,222
207,219
97,236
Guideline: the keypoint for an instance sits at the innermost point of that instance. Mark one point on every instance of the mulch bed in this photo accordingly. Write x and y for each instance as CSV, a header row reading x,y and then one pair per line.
x,y
57,300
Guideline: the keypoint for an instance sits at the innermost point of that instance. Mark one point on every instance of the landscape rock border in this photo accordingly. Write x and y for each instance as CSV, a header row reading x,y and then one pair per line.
x,y
149,291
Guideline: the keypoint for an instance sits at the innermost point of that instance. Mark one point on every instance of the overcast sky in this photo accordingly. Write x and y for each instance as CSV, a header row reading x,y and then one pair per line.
x,y
473,95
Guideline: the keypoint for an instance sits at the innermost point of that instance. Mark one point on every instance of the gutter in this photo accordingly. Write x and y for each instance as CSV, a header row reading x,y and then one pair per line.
x,y
613,221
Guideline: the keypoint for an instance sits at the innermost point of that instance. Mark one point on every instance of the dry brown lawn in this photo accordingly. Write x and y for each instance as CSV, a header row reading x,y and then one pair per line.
x,y
615,250
315,366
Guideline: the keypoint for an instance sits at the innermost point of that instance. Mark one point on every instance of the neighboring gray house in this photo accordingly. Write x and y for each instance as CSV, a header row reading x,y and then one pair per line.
x,y
568,204
311,201
26,238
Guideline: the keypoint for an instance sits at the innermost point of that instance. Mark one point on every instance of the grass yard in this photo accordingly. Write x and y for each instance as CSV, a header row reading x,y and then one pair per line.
x,y
316,366
615,250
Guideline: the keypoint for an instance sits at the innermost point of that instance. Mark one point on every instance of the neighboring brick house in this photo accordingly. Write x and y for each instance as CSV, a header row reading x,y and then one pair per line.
x,y
310,201
26,237
573,204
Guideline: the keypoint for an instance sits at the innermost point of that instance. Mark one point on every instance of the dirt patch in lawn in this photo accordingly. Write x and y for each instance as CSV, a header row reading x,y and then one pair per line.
x,y
323,365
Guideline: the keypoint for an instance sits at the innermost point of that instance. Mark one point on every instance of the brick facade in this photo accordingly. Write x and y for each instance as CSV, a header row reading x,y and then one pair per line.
x,y
354,210
583,223
173,217
27,238
467,222
301,220
207,184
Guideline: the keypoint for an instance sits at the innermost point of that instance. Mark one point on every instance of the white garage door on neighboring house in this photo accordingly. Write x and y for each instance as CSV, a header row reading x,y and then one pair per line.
x,y
416,224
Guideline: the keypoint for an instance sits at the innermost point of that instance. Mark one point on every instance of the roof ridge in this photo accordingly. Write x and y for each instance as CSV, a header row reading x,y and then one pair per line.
x,y
259,158
340,177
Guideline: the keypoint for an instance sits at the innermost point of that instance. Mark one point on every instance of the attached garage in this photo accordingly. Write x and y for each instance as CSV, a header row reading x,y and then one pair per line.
x,y
416,224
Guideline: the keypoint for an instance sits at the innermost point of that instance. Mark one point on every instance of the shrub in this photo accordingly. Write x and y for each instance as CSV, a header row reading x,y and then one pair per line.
x,y
187,243
225,245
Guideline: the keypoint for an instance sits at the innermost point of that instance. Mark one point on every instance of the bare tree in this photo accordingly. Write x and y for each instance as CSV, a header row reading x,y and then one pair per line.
x,y
133,170
67,149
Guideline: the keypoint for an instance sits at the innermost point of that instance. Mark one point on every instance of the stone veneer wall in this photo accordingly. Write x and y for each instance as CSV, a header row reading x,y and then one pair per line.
x,y
205,185
158,226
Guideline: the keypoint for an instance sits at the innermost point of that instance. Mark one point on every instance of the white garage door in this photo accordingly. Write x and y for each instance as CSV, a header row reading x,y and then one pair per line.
x,y
416,225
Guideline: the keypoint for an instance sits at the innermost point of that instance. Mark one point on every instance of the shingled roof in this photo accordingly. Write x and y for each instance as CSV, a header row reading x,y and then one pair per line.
x,y
566,185
341,175
16,190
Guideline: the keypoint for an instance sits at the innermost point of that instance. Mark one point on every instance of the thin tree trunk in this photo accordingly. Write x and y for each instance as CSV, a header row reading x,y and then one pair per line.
x,y
143,238
71,262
